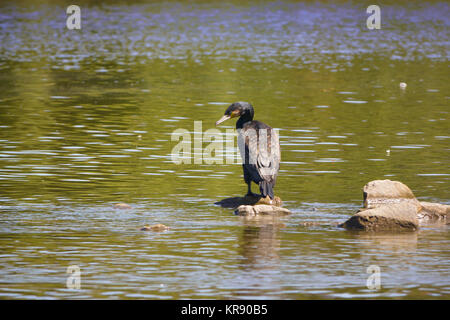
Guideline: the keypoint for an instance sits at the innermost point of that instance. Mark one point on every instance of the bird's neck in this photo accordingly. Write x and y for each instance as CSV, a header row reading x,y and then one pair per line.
x,y
243,120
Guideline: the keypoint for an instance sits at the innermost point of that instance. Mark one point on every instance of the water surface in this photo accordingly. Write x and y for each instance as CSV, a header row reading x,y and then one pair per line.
x,y
86,118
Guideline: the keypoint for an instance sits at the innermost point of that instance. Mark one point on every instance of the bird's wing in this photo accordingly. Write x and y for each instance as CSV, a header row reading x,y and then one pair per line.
x,y
261,151
268,155
248,145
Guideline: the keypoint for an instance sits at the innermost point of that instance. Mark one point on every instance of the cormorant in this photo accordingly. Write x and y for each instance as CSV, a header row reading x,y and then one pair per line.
x,y
259,147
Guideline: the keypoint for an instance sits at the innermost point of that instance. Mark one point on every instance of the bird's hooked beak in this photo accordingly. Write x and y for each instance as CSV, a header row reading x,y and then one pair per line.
x,y
224,118
234,114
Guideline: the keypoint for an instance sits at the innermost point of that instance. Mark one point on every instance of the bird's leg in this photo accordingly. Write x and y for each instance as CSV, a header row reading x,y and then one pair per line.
x,y
249,190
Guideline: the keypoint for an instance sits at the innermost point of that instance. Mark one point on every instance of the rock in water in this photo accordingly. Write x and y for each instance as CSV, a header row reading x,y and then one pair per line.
x,y
122,206
261,209
398,216
275,202
248,200
391,205
433,212
251,206
381,192
156,227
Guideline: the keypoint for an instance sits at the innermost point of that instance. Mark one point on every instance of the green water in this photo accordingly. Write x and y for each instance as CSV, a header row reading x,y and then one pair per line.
x,y
87,117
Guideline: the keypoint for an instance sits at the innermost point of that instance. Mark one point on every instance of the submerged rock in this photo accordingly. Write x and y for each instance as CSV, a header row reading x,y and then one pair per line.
x,y
156,227
318,224
122,206
261,209
398,216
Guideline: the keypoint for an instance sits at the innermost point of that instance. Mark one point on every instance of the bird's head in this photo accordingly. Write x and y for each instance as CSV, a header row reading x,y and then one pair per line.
x,y
237,109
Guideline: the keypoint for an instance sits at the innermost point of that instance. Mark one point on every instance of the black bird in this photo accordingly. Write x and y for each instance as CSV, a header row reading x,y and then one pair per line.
x,y
259,147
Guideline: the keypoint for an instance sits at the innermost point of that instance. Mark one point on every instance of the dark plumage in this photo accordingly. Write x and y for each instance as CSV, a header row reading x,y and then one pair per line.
x,y
259,147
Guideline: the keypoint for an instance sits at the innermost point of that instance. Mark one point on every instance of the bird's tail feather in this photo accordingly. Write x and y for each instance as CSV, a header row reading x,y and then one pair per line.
x,y
266,189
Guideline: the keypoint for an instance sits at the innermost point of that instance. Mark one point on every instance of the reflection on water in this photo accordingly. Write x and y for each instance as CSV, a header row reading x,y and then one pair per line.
x,y
86,119
406,241
260,242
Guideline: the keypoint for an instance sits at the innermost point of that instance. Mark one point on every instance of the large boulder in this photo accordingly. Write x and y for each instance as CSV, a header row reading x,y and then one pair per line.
x,y
381,192
391,205
396,216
